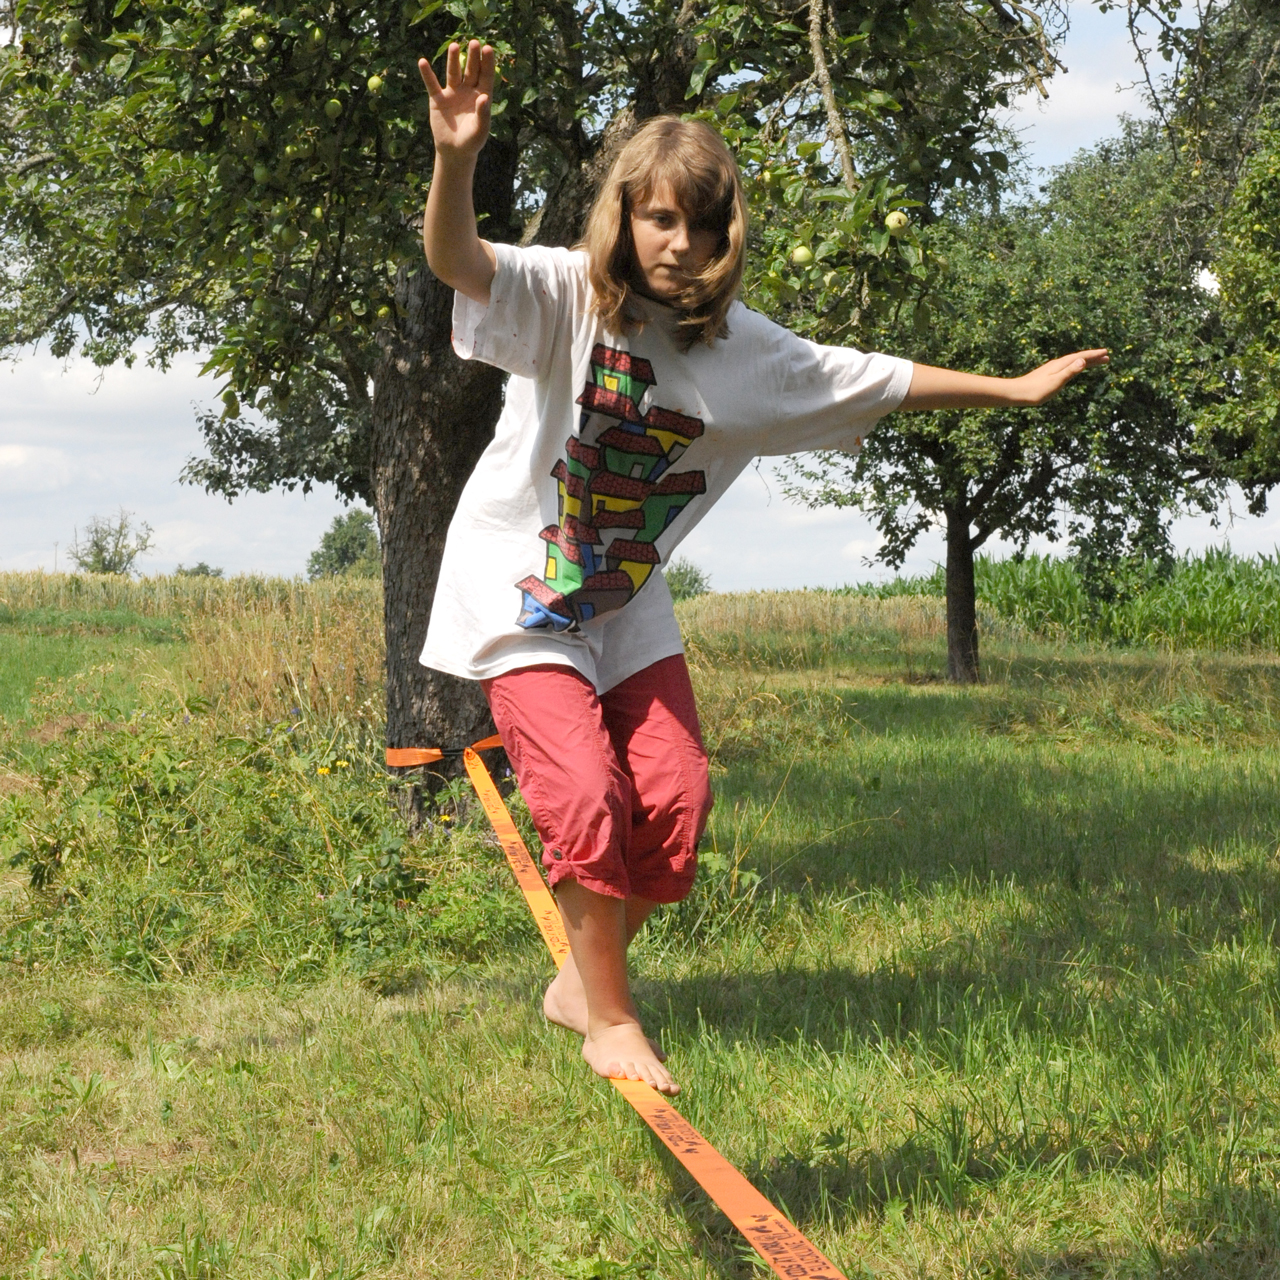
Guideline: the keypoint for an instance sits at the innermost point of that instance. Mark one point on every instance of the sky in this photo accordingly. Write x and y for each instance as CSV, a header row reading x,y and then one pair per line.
x,y
76,441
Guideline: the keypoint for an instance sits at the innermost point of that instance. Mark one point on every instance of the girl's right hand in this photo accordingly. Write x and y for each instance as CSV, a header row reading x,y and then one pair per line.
x,y
460,110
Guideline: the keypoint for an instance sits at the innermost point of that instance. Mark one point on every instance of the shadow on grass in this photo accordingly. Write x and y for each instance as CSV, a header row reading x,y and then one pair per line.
x,y
1194,827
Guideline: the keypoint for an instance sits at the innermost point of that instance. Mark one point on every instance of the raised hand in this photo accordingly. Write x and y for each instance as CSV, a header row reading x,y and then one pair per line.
x,y
460,109
1045,382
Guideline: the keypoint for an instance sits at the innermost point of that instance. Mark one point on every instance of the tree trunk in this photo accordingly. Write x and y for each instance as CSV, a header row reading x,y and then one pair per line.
x,y
433,415
962,605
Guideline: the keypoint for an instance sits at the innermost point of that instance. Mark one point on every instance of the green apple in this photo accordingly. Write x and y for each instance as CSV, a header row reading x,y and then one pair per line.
x,y
384,313
261,174
375,85
261,43
801,255
231,404
289,236
896,222
318,213
247,14
479,11
333,108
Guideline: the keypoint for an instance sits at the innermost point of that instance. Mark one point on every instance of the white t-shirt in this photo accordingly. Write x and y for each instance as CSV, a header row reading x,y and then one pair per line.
x,y
609,449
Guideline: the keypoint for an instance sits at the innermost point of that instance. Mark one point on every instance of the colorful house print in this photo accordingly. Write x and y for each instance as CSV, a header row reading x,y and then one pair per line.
x,y
616,495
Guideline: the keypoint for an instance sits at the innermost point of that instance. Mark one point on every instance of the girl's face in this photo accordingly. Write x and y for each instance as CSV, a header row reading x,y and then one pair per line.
x,y
669,250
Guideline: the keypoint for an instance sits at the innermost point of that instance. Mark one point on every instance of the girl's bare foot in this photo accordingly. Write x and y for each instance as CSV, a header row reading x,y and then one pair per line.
x,y
565,1004
624,1051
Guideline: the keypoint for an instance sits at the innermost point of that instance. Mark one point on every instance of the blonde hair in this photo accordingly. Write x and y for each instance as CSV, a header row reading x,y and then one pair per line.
x,y
692,160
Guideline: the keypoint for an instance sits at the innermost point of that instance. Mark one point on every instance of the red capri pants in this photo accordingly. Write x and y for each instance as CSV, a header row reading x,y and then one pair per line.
x,y
616,782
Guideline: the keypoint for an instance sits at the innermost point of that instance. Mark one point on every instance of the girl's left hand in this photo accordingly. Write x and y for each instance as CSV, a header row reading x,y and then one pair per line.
x,y
1045,382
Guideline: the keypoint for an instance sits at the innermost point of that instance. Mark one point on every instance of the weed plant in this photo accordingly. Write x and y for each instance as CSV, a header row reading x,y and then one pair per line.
x,y
170,843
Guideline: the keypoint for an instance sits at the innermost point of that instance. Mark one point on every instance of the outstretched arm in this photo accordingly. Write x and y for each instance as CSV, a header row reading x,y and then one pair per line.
x,y
460,127
933,388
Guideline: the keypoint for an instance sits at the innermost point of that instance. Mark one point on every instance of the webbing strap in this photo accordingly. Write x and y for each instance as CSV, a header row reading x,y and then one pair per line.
x,y
546,914
779,1243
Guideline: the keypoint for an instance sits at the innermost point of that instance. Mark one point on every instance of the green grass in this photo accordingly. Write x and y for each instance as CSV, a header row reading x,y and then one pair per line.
x,y
43,646
974,983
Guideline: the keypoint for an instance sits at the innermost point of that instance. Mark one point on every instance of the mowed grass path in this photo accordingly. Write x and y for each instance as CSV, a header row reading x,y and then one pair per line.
x,y
975,983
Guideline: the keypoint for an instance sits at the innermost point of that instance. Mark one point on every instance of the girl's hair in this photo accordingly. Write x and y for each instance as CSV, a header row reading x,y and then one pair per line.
x,y
692,160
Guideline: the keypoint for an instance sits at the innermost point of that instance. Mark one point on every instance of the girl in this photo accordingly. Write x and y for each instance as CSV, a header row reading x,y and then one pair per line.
x,y
640,389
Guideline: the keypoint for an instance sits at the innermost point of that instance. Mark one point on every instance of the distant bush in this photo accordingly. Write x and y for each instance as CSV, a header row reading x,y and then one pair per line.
x,y
201,570
686,580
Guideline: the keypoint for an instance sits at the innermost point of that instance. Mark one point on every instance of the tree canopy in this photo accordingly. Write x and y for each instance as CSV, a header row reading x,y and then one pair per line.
x,y
110,545
348,549
1098,258
245,181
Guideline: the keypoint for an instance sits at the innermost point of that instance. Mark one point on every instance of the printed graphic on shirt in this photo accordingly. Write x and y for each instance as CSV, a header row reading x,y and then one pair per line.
x,y
617,495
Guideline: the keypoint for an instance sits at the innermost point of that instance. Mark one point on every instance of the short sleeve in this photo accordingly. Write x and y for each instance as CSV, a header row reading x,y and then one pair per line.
x,y
833,396
535,294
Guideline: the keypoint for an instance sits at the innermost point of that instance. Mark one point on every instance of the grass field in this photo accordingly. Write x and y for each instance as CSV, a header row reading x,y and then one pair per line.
x,y
974,982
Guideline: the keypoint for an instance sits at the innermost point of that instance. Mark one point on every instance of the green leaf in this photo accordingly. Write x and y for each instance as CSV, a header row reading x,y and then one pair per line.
x,y
698,79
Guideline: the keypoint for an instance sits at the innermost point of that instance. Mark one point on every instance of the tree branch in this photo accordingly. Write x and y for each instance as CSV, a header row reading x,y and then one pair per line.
x,y
34,162
835,126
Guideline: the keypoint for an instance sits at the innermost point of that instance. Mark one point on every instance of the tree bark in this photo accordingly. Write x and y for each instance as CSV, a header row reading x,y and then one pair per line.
x,y
433,415
962,605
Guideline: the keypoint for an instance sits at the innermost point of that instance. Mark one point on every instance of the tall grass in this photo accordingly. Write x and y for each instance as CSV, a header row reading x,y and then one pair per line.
x,y
796,629
1210,600
263,648
1206,600
181,595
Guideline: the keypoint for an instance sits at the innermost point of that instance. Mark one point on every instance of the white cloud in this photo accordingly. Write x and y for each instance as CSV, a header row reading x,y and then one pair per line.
x,y
106,439
29,468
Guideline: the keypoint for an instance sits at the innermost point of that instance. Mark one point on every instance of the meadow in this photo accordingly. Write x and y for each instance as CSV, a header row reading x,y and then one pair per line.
x,y
975,982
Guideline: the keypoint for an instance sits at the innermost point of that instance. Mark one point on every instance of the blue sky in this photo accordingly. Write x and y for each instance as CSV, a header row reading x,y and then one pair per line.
x,y
76,441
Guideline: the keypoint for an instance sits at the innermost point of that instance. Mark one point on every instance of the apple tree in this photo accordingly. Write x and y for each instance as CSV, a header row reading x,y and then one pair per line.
x,y
1099,258
245,180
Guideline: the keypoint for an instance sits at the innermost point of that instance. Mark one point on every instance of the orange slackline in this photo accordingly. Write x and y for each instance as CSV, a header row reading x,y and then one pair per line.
x,y
774,1238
